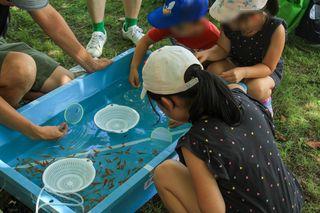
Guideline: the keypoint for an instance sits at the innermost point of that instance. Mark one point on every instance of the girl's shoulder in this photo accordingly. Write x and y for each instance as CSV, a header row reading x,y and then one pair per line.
x,y
272,24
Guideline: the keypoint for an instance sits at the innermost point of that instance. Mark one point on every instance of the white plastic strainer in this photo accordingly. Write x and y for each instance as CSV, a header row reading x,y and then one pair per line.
x,y
69,175
116,118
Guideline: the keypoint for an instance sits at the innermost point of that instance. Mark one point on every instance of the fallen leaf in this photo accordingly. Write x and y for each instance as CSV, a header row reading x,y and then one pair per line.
x,y
314,144
280,137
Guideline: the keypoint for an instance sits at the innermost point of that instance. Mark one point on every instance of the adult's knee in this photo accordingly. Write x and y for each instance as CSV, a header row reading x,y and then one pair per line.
x,y
20,70
162,171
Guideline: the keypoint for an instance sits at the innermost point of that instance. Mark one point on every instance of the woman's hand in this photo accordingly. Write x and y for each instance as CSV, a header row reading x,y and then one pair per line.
x,y
234,75
204,55
134,78
48,132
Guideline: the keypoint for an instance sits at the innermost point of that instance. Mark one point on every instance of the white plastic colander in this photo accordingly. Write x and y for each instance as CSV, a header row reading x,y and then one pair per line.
x,y
69,175
116,118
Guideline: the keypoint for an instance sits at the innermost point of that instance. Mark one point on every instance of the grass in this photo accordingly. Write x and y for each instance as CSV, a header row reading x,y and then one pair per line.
x,y
296,101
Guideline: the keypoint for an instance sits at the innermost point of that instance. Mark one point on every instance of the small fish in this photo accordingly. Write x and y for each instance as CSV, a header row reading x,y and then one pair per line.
x,y
71,147
109,161
108,153
119,153
123,144
116,158
141,153
110,147
96,151
129,171
111,186
95,183
105,182
125,135
100,163
108,171
38,170
61,147
155,152
140,160
46,156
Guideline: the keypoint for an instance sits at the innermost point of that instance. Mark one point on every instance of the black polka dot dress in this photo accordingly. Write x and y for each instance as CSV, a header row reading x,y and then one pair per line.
x,y
245,161
249,51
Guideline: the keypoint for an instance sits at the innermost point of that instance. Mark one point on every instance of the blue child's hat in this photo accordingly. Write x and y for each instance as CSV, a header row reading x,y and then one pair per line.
x,y
175,12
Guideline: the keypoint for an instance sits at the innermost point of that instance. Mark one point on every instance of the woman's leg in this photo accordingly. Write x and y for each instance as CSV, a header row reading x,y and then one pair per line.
x,y
219,67
96,10
17,76
260,88
175,187
59,77
132,8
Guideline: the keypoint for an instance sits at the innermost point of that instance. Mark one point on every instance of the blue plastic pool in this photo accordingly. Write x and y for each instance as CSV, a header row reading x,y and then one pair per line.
x,y
124,162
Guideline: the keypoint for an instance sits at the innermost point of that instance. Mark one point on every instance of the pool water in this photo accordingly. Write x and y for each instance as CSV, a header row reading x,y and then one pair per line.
x,y
116,157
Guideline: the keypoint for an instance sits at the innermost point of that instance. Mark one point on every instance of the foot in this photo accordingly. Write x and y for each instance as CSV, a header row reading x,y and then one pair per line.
x,y
95,45
134,33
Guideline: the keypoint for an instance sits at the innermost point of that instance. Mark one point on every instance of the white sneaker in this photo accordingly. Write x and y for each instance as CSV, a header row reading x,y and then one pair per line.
x,y
134,33
95,45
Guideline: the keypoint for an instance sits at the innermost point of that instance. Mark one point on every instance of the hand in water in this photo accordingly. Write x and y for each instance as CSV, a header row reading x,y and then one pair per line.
x,y
174,123
134,78
48,132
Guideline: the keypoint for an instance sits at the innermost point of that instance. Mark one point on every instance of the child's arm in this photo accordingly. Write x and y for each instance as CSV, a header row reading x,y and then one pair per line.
x,y
206,187
268,64
217,52
142,47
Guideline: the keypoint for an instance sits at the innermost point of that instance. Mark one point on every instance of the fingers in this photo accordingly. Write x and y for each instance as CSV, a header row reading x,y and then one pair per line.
x,y
63,129
200,57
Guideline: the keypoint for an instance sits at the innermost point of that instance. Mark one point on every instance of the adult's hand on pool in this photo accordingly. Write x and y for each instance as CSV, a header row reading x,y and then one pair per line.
x,y
98,64
6,3
134,78
49,132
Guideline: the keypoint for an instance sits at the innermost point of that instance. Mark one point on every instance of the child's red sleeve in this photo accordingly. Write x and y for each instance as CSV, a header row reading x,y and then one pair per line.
x,y
214,31
158,34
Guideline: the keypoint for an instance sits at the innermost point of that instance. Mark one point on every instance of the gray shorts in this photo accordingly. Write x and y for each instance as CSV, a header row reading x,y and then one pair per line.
x,y
30,4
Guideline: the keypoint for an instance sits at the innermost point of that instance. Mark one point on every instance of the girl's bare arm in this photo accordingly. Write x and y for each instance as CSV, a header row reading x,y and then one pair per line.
x,y
206,187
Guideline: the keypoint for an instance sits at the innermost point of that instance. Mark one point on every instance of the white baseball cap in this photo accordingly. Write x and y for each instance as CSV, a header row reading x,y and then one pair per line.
x,y
226,10
163,72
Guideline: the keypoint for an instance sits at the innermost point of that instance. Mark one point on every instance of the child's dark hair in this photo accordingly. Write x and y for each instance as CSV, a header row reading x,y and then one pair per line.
x,y
210,97
272,7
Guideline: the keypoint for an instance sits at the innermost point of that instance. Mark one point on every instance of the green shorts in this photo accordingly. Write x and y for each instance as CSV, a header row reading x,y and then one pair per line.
x,y
45,64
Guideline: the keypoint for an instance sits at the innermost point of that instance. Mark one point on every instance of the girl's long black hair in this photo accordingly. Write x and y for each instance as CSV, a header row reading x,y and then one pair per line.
x,y
210,97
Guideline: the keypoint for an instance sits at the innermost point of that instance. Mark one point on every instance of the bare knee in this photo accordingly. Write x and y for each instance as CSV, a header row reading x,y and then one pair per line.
x,y
19,71
259,91
162,171
220,67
